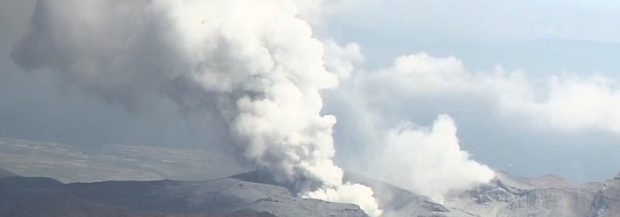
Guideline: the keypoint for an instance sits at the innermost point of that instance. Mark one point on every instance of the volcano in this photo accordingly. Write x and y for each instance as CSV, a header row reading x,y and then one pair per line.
x,y
87,193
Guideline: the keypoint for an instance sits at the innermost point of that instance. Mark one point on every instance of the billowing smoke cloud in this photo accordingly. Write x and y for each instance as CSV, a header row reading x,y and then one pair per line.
x,y
430,160
251,67
342,60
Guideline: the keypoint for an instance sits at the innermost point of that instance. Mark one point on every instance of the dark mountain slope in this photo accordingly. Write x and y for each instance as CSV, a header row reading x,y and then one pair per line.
x,y
5,173
34,197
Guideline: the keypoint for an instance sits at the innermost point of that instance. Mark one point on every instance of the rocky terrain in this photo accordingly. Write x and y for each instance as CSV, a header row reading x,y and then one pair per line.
x,y
82,190
538,197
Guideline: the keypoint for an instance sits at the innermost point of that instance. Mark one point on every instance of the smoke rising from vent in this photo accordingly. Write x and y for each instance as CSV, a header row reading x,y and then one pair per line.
x,y
430,160
251,67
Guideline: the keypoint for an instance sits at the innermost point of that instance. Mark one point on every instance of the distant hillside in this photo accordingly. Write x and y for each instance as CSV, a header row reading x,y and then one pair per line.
x,y
112,162
5,173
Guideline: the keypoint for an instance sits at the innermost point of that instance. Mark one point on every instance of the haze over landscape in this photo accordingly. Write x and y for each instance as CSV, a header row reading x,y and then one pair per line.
x,y
378,108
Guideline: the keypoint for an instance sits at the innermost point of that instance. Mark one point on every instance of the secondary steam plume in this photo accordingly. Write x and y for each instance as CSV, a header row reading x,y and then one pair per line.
x,y
252,67
430,160
378,107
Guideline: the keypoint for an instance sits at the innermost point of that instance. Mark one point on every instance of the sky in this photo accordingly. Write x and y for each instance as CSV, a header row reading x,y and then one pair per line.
x,y
538,39
532,86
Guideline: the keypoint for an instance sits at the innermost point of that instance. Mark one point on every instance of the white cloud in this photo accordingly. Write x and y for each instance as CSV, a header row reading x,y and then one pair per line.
x,y
561,102
580,104
341,60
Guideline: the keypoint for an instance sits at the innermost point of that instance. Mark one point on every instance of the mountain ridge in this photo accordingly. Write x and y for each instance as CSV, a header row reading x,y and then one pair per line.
x,y
251,193
32,196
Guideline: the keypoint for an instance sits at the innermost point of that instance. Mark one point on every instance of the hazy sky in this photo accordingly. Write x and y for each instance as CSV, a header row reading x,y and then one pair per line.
x,y
537,38
467,42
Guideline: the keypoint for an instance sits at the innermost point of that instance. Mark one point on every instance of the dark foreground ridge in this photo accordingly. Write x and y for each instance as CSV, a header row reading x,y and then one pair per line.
x,y
4,173
251,195
228,197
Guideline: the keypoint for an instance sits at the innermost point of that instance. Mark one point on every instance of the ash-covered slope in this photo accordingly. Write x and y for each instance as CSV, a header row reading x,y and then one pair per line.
x,y
505,196
33,197
397,202
607,199
393,200
545,196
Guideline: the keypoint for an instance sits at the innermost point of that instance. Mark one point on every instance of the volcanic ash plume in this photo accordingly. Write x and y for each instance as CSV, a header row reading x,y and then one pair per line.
x,y
252,67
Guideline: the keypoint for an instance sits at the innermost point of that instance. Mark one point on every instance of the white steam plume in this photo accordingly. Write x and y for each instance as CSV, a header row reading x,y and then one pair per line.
x,y
430,160
252,67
